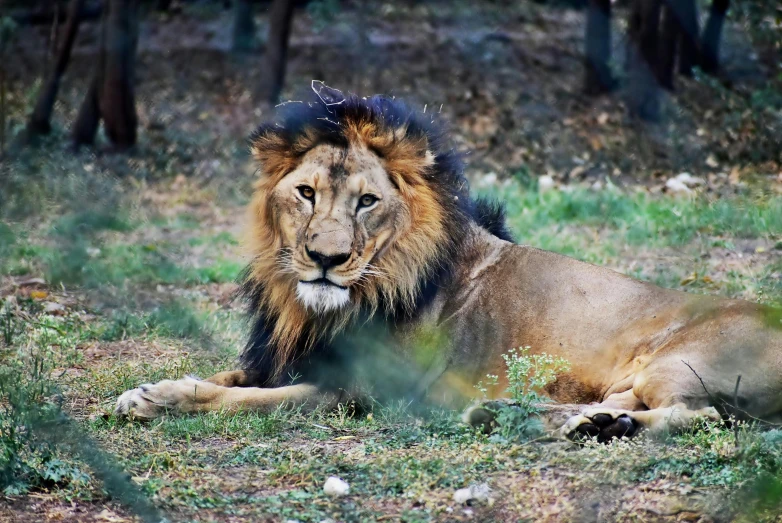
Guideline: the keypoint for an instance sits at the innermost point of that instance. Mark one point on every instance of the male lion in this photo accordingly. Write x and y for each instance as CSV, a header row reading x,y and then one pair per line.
x,y
362,212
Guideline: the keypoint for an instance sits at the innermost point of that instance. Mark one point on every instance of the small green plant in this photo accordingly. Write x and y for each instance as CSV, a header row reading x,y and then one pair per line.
x,y
527,374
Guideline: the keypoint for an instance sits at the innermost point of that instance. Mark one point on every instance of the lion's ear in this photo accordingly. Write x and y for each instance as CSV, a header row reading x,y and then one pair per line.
x,y
273,152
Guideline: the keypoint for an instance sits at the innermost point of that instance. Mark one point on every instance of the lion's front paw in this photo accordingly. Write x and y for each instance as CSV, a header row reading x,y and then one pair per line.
x,y
150,401
604,424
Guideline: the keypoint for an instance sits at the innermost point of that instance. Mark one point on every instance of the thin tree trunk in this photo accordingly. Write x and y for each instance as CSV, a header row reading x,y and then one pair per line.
x,y
2,107
688,19
88,118
642,55
111,93
670,32
244,27
712,34
117,100
280,20
597,72
40,119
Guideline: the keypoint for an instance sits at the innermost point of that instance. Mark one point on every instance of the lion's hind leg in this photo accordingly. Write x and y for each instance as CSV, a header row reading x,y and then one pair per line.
x,y
606,423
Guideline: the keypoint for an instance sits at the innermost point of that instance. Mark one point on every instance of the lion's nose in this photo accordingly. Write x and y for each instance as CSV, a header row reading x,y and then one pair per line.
x,y
326,261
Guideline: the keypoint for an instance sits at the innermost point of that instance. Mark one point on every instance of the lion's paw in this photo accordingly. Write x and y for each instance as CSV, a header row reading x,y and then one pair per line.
x,y
603,424
149,401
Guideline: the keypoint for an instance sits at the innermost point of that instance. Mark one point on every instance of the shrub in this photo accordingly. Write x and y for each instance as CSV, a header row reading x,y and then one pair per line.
x,y
528,374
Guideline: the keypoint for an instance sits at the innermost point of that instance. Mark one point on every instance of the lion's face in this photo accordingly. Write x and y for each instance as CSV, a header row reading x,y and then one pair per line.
x,y
336,211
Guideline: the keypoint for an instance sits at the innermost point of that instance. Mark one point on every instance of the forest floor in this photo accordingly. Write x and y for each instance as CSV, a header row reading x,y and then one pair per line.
x,y
117,270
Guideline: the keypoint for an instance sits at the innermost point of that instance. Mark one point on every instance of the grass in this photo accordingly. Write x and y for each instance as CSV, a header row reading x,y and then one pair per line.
x,y
138,290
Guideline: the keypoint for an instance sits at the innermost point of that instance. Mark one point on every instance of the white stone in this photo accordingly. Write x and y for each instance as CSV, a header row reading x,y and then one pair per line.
x,y
462,496
545,183
689,180
488,180
480,492
676,186
336,487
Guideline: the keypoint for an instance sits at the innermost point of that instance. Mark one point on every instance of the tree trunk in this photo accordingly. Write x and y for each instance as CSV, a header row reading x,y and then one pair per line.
x,y
710,44
40,119
88,118
688,19
642,54
117,100
244,27
597,72
111,95
670,33
280,20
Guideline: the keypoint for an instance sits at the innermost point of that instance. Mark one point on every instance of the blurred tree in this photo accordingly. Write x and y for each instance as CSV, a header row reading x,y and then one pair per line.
x,y
111,93
40,119
687,13
670,30
678,38
710,43
7,30
641,61
598,78
659,33
280,19
244,26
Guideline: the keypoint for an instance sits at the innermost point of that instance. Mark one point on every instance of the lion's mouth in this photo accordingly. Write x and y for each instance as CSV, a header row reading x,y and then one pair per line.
x,y
325,282
322,295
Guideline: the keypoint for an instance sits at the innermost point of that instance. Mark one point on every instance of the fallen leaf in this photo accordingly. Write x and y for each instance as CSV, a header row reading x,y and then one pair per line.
x,y
107,515
734,176
689,279
38,295
576,172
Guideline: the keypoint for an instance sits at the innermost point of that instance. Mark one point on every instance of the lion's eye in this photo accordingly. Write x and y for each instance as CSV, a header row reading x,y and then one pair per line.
x,y
307,192
367,200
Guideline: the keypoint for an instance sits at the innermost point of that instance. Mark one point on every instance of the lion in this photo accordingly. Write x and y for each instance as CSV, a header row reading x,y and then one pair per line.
x,y
361,214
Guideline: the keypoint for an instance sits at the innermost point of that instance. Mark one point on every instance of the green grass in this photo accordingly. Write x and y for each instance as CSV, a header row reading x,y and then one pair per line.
x,y
634,218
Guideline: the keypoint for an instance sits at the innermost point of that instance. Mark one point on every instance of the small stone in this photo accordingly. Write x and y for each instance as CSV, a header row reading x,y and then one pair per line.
x,y
677,187
52,307
689,180
336,487
488,180
462,496
480,492
545,183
